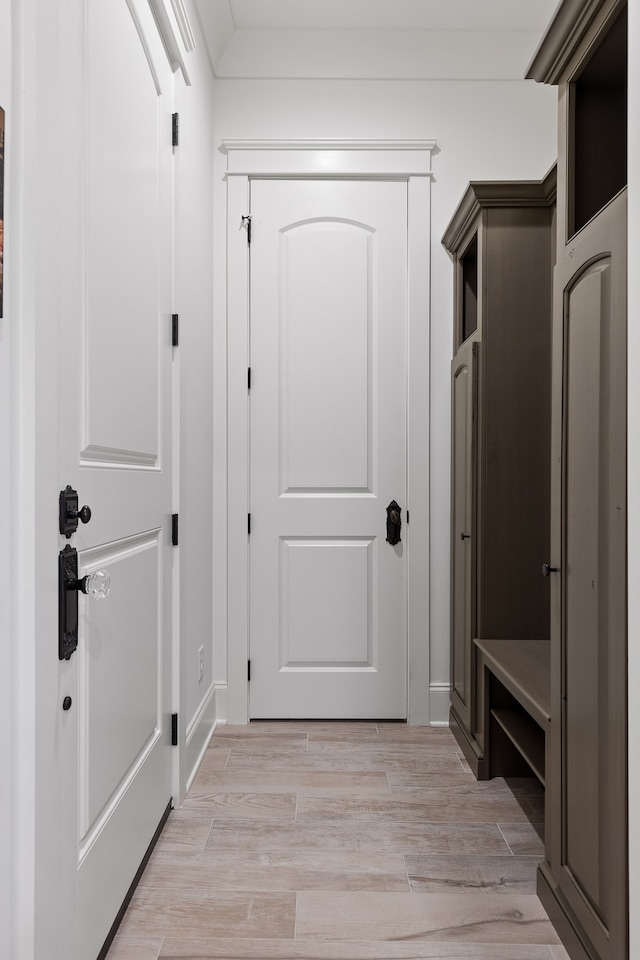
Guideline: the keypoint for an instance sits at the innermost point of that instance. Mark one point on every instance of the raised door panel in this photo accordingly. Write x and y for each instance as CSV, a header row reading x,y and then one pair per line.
x,y
326,335
590,803
463,534
122,339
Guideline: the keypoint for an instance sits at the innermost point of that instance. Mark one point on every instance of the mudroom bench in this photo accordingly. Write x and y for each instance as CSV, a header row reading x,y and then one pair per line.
x,y
517,705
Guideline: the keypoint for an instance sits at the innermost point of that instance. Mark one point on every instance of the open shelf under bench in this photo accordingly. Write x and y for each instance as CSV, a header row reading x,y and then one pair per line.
x,y
517,701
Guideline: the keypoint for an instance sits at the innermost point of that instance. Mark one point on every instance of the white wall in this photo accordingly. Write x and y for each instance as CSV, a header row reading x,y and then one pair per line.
x,y
193,301
5,487
481,51
484,130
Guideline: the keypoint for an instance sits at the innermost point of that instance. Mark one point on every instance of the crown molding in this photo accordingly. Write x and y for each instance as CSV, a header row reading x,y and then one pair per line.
x,y
570,23
481,194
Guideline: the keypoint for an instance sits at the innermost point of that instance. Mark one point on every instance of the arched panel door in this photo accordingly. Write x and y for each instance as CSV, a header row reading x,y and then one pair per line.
x,y
328,449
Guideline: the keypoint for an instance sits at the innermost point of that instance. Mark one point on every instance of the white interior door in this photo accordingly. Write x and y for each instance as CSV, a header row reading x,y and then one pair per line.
x,y
116,407
328,279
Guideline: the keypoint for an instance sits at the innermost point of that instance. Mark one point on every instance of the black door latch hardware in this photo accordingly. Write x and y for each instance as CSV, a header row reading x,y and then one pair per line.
x,y
394,523
67,602
96,585
69,512
465,536
546,569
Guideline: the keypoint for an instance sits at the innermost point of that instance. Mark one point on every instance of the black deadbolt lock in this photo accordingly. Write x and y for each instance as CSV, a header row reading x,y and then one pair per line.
x,y
394,523
69,512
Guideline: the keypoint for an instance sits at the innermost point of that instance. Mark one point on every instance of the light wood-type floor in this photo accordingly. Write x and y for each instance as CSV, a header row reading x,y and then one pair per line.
x,y
343,841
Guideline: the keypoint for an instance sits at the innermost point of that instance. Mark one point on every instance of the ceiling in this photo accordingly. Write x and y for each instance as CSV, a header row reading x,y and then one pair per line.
x,y
373,39
391,14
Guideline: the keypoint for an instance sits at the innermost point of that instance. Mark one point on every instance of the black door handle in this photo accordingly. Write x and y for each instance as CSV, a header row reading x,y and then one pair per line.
x,y
465,536
67,602
394,523
546,569
96,585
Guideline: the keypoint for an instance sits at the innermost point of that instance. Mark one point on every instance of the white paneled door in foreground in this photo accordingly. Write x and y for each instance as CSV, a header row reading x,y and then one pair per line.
x,y
115,404
328,268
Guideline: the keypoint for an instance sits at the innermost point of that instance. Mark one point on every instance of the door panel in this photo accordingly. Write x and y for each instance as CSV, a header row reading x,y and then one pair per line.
x,y
110,751
116,404
327,603
464,423
588,822
328,448
588,358
121,416
326,434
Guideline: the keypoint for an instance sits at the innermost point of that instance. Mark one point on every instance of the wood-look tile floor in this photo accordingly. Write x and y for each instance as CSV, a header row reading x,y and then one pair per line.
x,y
343,841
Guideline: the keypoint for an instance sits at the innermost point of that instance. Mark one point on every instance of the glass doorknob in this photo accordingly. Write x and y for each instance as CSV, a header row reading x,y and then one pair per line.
x,y
96,585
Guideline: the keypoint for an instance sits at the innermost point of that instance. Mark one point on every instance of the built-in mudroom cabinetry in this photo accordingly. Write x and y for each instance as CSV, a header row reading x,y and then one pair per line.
x,y
501,239
583,881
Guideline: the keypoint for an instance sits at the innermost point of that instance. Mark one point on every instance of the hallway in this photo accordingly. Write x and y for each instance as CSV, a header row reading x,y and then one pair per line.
x,y
358,841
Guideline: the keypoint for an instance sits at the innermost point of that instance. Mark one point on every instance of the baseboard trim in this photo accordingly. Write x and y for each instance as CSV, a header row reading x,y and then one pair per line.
x,y
199,733
561,916
221,703
470,748
439,704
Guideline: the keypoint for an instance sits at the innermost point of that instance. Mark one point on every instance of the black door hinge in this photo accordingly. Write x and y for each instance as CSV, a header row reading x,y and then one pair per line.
x,y
174,529
249,378
249,524
175,329
174,729
248,669
175,130
246,221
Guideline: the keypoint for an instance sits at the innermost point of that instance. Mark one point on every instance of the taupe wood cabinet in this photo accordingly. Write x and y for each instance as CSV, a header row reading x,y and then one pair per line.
x,y
583,881
501,240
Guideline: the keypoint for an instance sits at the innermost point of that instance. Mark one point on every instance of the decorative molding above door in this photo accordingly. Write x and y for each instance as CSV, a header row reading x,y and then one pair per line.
x,y
329,158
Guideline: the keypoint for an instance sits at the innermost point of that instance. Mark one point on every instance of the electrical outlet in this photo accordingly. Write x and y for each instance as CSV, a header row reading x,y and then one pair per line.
x,y
200,664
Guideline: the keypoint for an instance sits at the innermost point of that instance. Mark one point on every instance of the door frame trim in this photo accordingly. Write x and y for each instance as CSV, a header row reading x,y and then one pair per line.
x,y
408,161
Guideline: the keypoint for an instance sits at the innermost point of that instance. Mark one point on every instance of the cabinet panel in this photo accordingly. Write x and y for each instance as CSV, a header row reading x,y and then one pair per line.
x,y
501,241
584,880
464,445
588,848
587,321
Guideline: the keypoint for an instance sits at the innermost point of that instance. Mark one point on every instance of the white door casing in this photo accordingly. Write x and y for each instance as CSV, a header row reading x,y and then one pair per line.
x,y
409,163
115,400
328,448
